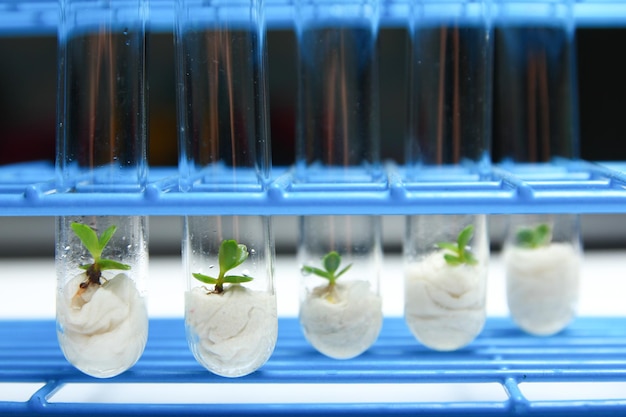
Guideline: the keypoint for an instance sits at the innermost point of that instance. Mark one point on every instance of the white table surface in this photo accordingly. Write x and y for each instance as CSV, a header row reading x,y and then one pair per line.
x,y
27,286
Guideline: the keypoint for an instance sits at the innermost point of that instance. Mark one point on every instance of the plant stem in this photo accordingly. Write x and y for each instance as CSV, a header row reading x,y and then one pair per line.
x,y
219,285
93,275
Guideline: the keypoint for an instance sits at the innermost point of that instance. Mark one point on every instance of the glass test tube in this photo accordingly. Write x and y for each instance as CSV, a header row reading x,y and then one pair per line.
x,y
232,329
446,256
230,302
101,261
536,95
340,305
542,256
222,98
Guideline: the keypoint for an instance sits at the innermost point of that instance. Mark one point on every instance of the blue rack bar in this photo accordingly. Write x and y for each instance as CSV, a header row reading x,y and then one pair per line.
x,y
591,349
558,187
40,17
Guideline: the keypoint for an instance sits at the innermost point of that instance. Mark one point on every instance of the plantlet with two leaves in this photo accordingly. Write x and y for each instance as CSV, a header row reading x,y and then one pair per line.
x,y
230,255
460,253
95,245
535,237
331,262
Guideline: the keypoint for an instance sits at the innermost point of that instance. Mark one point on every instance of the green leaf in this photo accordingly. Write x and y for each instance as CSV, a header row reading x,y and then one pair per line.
x,y
525,238
204,278
465,236
470,259
236,279
343,271
533,237
89,238
452,247
106,236
110,264
316,271
542,233
452,259
331,261
231,255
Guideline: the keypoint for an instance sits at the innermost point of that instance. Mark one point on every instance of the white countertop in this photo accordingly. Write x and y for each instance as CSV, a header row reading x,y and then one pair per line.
x,y
27,286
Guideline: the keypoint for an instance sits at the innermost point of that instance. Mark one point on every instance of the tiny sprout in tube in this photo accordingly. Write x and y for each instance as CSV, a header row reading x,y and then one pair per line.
x,y
542,280
459,252
354,308
95,245
231,330
103,322
231,254
331,263
535,237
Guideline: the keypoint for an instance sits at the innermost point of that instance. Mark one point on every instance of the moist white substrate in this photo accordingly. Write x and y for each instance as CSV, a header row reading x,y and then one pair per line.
x,y
234,333
344,322
444,305
542,286
103,331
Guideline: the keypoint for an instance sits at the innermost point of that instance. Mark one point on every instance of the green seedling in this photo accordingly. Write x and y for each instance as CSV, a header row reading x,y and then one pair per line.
x,y
95,245
533,238
331,262
230,255
460,253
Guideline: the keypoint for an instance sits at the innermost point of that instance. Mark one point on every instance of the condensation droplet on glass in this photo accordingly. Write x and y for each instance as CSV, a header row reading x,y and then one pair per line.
x,y
211,266
252,251
245,273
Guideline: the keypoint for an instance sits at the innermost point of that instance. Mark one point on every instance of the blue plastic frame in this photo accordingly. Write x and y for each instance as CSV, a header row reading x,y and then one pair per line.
x,y
37,17
558,187
591,349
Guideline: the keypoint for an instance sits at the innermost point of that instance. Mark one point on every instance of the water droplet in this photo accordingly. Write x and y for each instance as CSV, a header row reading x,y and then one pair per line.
x,y
252,251
211,266
125,32
245,273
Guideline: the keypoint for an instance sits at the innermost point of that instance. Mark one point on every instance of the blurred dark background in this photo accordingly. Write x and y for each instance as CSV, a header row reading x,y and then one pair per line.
x,y
28,93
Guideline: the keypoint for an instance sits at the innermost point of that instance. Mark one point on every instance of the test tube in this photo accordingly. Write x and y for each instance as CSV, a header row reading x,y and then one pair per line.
x,y
340,304
231,324
542,255
230,301
446,264
536,97
340,308
101,261
102,319
446,256
222,110
338,98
